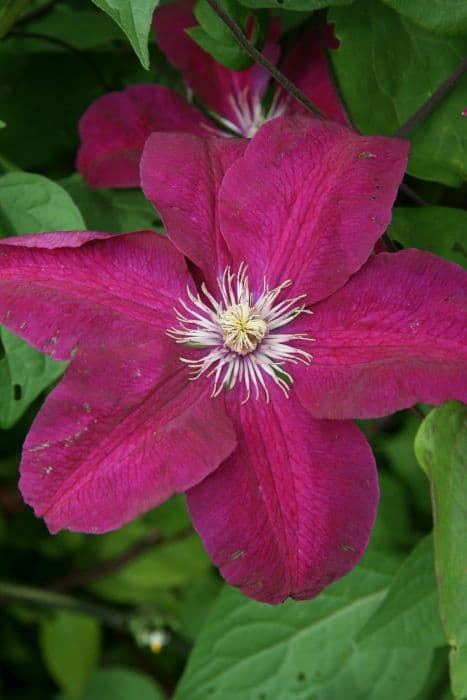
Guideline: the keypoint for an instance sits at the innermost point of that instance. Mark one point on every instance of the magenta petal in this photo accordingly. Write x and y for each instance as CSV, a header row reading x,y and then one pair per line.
x,y
305,65
115,127
308,201
120,434
181,175
115,290
221,89
292,509
395,334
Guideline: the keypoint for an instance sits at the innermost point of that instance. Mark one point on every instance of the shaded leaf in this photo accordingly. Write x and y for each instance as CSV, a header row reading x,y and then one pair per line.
x,y
446,17
117,683
301,5
440,230
387,67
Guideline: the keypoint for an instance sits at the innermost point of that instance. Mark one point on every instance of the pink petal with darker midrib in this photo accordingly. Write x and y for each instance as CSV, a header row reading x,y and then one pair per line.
x,y
181,175
394,335
308,201
119,435
292,509
99,290
115,127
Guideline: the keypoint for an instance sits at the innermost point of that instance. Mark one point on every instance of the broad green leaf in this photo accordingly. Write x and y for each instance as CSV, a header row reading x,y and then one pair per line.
x,y
29,204
387,67
82,27
135,19
408,616
303,650
116,211
230,55
443,16
301,5
33,204
441,448
70,645
393,527
118,683
440,230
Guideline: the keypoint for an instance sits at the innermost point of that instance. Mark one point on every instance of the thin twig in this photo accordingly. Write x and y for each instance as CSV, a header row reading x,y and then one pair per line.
x,y
417,412
64,45
411,194
12,592
432,101
83,578
258,57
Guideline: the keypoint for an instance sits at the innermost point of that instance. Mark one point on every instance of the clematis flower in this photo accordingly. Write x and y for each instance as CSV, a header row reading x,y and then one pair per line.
x,y
115,127
235,379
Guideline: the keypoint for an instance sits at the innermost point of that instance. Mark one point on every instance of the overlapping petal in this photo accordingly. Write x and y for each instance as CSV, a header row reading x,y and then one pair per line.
x,y
181,175
394,335
305,65
291,510
114,129
218,87
119,435
308,201
66,290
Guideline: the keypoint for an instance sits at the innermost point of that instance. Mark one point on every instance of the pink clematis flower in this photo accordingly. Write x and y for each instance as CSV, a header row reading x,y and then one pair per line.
x,y
115,127
235,379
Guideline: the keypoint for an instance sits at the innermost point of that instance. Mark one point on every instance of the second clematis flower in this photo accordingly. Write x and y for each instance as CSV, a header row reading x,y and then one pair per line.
x,y
114,128
235,378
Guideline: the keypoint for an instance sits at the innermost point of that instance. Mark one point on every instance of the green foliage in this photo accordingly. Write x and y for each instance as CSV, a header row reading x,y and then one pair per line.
x,y
445,17
408,616
70,645
134,18
297,5
387,67
252,650
440,230
441,448
119,684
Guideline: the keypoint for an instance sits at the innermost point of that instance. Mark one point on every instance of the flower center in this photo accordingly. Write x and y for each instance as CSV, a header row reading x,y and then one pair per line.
x,y
242,328
238,336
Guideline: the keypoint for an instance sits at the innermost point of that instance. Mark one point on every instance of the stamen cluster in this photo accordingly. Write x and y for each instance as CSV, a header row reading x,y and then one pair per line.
x,y
240,334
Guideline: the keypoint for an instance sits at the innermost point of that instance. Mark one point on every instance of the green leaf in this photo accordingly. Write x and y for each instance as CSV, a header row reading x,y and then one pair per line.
x,y
231,56
70,645
387,68
301,5
446,17
440,230
116,211
304,650
117,683
29,203
24,374
408,616
2,124
135,19
441,448
33,204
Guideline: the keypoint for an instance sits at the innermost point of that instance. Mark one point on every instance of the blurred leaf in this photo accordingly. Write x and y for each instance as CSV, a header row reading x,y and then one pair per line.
x,y
135,19
447,17
198,601
119,684
110,210
2,124
393,525
387,68
440,230
301,5
232,56
305,650
441,448
408,616
70,645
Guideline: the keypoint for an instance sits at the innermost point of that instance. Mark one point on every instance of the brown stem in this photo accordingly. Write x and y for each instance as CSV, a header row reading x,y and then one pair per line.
x,y
432,101
258,57
79,579
411,194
